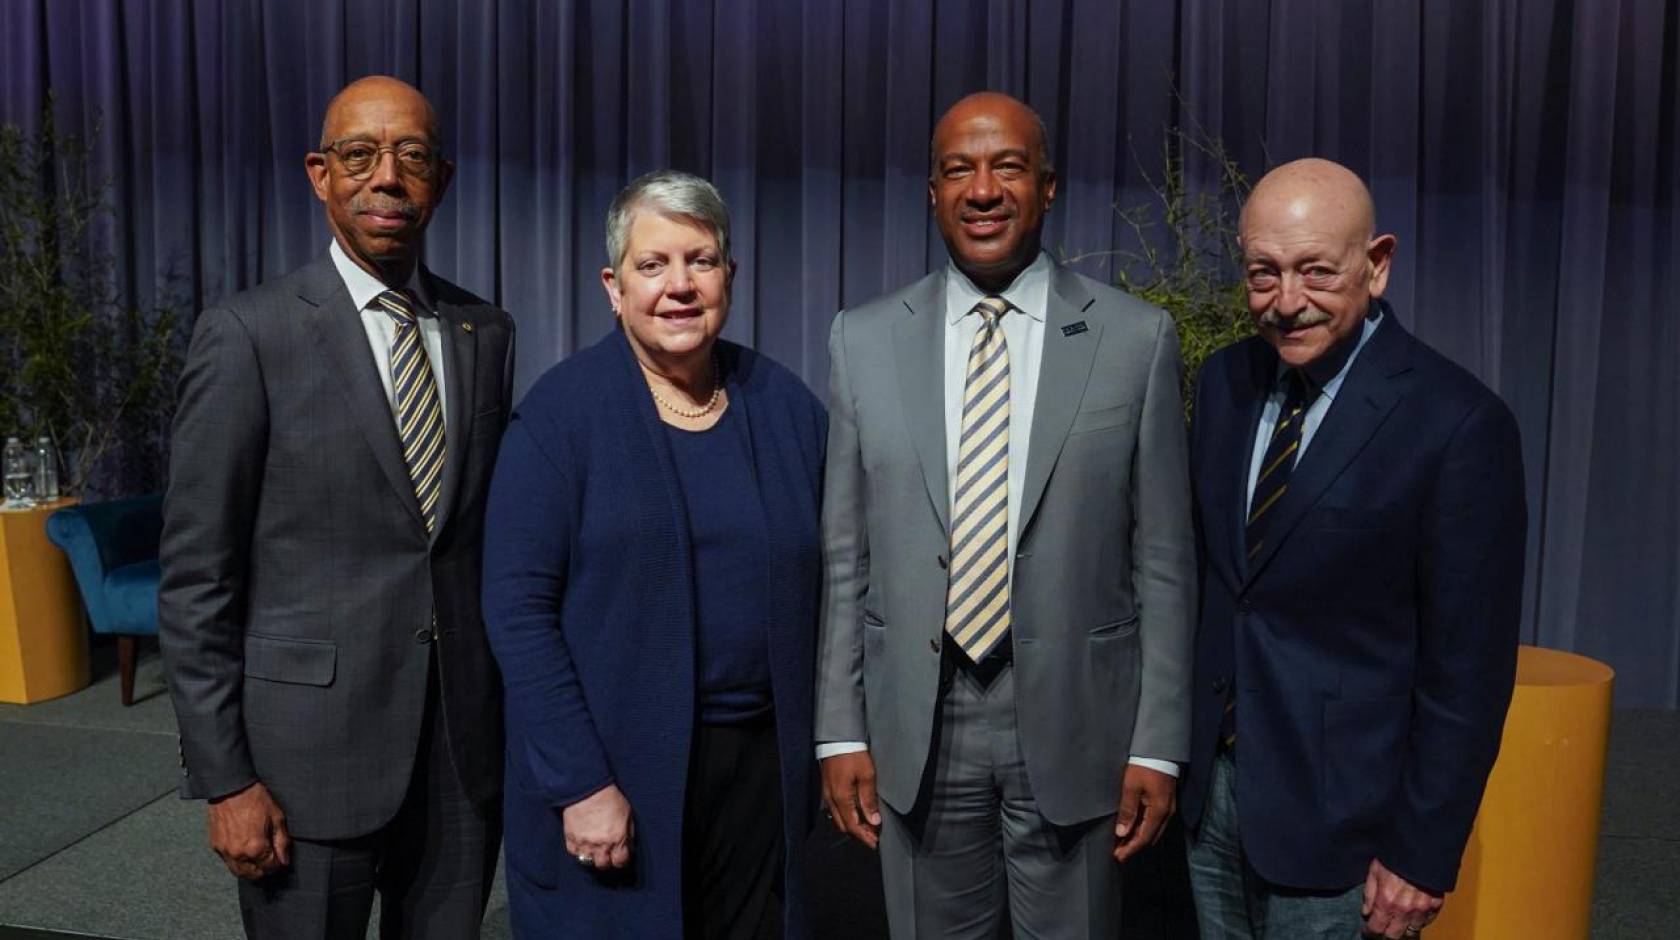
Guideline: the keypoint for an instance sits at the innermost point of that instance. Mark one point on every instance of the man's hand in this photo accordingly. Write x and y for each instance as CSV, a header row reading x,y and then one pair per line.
x,y
599,826
1393,906
849,793
1147,800
248,830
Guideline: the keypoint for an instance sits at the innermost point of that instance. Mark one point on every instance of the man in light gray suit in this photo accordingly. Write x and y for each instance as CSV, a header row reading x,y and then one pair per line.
x,y
338,704
1005,644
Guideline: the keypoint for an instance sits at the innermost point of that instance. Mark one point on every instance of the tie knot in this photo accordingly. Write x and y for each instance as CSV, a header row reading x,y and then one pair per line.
x,y
991,309
398,306
1298,391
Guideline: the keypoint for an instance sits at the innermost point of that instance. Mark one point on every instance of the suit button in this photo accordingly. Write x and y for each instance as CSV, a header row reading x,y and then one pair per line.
x,y
1220,685
941,560
933,645
1245,605
423,636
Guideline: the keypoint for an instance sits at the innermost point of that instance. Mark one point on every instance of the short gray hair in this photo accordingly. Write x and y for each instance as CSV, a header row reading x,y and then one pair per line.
x,y
674,195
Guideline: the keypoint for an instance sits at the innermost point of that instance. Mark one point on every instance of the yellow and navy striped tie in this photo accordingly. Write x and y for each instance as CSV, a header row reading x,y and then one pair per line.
x,y
1279,463
977,596
1276,467
418,412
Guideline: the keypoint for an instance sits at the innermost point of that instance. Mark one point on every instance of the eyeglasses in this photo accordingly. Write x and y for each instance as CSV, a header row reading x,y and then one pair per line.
x,y
360,157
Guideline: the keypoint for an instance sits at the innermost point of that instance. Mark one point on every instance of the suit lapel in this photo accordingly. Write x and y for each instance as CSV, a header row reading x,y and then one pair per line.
x,y
919,342
460,359
337,326
1367,396
1063,369
1249,385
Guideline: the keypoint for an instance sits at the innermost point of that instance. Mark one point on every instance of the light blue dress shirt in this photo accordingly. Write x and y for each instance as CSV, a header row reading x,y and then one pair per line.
x,y
1327,387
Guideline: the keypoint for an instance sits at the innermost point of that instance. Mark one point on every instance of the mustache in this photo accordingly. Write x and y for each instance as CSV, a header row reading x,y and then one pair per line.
x,y
1312,316
373,202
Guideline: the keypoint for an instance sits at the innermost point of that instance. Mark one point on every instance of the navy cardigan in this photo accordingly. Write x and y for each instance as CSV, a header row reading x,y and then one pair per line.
x,y
589,605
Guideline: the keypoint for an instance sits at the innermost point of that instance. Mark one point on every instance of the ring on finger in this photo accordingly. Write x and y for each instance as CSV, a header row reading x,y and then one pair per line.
x,y
586,860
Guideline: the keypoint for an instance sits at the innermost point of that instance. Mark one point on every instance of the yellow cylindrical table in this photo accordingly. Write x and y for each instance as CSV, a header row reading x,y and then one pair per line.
x,y
43,640
1528,869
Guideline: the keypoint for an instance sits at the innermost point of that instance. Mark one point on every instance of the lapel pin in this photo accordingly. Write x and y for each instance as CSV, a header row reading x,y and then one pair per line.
x,y
1075,328
466,325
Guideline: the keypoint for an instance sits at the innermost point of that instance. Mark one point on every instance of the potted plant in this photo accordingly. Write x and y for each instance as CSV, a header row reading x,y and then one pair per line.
x,y
78,365
1186,259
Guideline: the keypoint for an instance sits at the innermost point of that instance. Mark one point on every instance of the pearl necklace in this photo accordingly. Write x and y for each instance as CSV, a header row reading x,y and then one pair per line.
x,y
711,403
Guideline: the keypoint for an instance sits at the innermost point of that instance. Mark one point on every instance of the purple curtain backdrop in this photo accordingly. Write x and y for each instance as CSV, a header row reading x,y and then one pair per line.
x,y
1524,151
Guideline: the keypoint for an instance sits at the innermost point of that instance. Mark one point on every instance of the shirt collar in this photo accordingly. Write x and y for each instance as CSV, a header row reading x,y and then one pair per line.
x,y
1329,383
1028,293
364,287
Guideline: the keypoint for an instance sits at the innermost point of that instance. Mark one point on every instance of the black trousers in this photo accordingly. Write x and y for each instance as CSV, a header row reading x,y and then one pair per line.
x,y
431,865
733,849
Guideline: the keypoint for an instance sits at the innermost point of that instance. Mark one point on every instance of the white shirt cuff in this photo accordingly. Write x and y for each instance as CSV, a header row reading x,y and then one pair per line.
x,y
1170,768
836,748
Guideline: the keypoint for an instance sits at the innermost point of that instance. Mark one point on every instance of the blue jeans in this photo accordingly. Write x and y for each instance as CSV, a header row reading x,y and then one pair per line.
x,y
1234,903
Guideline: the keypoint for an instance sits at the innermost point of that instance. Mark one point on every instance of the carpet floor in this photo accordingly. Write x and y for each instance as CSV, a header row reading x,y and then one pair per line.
x,y
94,842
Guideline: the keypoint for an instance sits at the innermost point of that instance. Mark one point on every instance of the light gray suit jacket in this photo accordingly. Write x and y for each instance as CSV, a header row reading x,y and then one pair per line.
x,y
1105,563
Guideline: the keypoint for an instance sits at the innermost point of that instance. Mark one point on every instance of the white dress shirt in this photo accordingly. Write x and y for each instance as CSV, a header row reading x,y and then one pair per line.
x,y
1023,332
381,329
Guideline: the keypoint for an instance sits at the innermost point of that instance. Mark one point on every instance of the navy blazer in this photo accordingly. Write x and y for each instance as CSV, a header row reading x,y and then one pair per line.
x,y
1373,641
589,605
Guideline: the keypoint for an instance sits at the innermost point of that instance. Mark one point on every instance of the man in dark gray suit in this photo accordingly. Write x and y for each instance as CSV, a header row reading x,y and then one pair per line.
x,y
1005,644
337,701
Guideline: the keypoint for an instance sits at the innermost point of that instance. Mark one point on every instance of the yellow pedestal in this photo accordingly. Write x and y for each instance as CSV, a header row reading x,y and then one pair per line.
x,y
1528,870
43,640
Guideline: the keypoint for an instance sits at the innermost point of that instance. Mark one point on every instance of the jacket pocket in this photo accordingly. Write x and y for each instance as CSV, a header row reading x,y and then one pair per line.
x,y
1101,419
1364,741
290,659
1125,626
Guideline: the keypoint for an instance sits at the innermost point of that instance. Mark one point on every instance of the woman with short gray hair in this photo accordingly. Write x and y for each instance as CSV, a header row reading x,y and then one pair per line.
x,y
650,591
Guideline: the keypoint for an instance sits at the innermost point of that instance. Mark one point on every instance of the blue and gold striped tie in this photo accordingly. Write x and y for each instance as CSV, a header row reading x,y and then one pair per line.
x,y
419,414
1278,465
977,596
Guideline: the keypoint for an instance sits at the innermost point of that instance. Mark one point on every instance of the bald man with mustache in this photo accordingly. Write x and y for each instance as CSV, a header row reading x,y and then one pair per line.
x,y
338,705
1361,524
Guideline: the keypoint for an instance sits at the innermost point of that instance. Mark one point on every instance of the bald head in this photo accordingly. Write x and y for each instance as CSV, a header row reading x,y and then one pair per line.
x,y
1311,261
990,185
379,174
996,106
1328,193
385,92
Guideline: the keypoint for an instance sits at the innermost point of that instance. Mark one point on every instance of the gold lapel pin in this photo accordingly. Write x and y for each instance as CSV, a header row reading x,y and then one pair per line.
x,y
467,326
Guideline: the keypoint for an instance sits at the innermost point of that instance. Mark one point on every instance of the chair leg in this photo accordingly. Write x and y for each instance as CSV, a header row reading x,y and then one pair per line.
x,y
126,649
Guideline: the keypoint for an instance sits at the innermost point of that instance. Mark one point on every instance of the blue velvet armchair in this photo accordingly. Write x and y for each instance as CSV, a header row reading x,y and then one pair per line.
x,y
113,550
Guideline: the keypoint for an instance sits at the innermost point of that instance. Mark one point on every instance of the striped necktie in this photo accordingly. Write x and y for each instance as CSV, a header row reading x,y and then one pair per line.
x,y
418,412
1279,463
1276,467
977,595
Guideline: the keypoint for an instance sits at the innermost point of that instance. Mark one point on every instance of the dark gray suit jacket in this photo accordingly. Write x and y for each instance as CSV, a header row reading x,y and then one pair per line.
x,y
1105,562
299,582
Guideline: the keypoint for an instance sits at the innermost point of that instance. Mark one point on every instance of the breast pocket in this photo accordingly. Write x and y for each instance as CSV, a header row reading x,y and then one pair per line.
x,y
1354,519
1103,419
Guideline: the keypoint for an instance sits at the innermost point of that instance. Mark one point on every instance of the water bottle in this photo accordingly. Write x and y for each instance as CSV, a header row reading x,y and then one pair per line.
x,y
46,470
20,484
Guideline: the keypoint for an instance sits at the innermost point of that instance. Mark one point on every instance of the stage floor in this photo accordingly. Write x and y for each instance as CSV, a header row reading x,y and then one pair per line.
x,y
94,842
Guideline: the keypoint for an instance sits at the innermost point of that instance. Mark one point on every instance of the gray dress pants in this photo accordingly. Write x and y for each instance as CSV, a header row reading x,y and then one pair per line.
x,y
975,847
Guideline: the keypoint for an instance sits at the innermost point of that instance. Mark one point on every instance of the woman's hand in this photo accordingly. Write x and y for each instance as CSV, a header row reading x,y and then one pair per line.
x,y
599,827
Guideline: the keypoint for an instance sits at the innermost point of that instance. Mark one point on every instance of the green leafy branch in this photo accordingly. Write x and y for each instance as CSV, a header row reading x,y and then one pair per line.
x,y
78,365
1186,259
